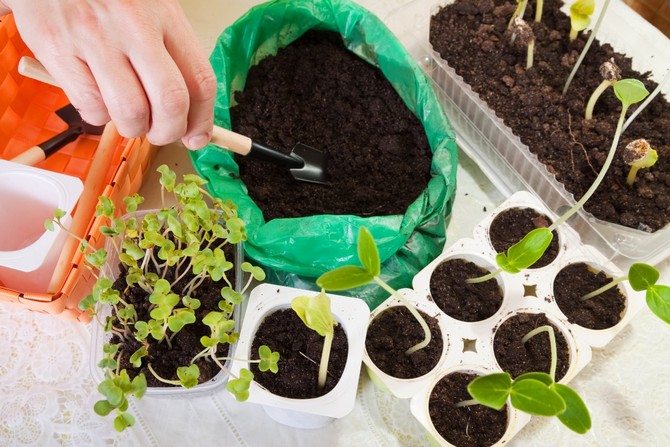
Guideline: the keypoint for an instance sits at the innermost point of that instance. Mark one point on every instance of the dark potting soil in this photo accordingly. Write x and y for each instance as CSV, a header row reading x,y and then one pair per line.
x,y
299,350
185,345
468,426
470,35
600,312
512,224
518,358
460,300
392,333
318,93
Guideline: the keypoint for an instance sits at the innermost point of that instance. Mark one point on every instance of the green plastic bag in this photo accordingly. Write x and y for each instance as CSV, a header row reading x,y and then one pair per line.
x,y
294,251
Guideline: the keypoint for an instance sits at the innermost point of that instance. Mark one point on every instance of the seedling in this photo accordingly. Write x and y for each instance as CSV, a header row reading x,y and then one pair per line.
x,y
643,277
315,312
639,155
532,246
580,16
535,393
521,10
611,74
350,276
601,16
526,37
166,255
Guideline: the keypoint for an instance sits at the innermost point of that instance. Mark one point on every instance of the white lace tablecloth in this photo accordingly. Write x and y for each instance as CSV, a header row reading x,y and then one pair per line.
x,y
47,392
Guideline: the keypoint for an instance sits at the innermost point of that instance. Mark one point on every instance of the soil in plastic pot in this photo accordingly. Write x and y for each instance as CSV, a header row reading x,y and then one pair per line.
x,y
518,358
299,350
459,299
467,426
392,333
471,36
318,93
600,312
512,224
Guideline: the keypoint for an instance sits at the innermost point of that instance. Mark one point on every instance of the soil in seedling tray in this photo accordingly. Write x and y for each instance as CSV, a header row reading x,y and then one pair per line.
x,y
518,358
316,92
468,426
392,333
186,343
460,300
300,349
512,224
471,36
600,312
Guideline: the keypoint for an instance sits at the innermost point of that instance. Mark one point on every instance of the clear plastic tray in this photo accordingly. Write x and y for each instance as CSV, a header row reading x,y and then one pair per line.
x,y
509,163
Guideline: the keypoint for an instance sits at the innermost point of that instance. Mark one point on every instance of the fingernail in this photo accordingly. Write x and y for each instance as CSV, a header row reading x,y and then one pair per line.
x,y
198,141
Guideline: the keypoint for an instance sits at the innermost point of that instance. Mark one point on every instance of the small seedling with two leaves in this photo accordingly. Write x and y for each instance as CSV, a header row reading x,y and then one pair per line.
x,y
351,276
638,154
580,16
535,393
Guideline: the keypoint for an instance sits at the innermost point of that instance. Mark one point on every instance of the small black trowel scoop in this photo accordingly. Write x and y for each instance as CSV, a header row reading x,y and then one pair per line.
x,y
75,127
305,163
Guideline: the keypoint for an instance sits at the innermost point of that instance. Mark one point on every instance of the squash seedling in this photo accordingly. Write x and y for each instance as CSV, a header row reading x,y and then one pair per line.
x,y
611,74
638,154
580,16
167,259
532,246
535,393
315,312
643,277
351,276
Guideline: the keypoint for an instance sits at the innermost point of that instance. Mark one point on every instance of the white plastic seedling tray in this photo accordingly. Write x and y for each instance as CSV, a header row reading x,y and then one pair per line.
x,y
479,354
500,154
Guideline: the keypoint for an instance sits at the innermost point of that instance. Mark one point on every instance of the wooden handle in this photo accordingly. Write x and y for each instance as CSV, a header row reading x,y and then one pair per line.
x,y
230,140
32,68
30,157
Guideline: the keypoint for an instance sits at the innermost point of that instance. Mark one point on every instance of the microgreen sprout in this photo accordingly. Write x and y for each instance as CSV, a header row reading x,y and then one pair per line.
x,y
611,74
580,16
535,393
166,255
643,277
638,154
526,37
532,246
350,276
315,312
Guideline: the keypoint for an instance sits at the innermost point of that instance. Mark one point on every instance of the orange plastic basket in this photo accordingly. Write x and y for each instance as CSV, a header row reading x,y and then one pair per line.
x,y
27,118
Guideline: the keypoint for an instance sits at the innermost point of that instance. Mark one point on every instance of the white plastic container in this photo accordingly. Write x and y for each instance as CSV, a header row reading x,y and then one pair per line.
x,y
28,197
351,313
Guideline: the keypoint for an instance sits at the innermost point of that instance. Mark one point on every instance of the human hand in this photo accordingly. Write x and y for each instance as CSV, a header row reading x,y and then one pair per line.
x,y
136,62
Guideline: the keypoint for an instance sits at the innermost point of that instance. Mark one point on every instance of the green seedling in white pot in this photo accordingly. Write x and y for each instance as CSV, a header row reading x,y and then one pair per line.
x,y
643,277
351,276
535,393
580,16
638,154
532,246
315,312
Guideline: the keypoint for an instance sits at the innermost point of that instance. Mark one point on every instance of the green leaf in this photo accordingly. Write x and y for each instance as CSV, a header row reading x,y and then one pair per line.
x,y
49,224
181,318
539,376
641,276
168,177
123,421
343,278
580,14
368,253
268,360
139,386
526,252
315,312
536,398
576,415
630,91
491,390
188,375
103,408
658,300
257,272
240,387
111,391
229,294
136,358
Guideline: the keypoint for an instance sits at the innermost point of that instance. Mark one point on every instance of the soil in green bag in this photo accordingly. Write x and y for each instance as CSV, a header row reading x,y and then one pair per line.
x,y
600,312
299,350
318,93
468,426
512,224
459,299
518,358
392,333
470,35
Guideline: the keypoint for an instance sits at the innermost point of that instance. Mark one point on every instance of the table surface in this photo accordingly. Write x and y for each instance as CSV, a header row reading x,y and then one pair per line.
x,y
47,392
